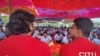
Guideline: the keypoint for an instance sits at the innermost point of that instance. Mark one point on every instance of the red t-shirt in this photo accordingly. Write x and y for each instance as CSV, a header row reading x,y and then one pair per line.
x,y
18,45
80,47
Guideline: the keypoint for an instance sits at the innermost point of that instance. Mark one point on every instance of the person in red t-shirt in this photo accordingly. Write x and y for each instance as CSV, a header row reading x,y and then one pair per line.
x,y
80,45
20,41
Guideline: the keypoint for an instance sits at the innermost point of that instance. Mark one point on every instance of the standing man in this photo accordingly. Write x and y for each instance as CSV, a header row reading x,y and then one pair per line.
x,y
80,45
1,23
20,41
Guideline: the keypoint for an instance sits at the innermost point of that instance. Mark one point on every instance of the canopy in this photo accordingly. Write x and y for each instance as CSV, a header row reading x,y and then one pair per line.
x,y
69,9
56,8
69,14
66,4
15,4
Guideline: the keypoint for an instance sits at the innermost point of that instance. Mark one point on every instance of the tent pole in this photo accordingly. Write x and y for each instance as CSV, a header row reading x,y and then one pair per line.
x,y
0,15
9,6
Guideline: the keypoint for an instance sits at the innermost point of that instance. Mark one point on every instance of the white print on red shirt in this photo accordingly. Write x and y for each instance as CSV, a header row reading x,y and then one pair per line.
x,y
87,53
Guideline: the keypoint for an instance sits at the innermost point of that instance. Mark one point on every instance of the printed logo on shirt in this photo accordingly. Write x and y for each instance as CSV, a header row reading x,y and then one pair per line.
x,y
6,55
87,53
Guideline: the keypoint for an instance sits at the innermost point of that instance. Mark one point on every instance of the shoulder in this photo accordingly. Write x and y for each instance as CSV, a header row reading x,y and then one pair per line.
x,y
65,48
43,47
24,41
74,45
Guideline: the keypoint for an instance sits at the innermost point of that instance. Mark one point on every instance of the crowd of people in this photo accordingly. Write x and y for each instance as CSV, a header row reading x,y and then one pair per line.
x,y
53,35
48,34
60,35
95,36
21,38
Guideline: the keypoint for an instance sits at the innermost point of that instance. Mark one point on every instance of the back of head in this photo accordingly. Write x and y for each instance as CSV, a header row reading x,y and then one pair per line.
x,y
19,22
85,25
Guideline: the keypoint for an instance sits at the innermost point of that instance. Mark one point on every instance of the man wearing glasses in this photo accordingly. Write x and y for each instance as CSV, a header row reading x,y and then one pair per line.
x,y
80,45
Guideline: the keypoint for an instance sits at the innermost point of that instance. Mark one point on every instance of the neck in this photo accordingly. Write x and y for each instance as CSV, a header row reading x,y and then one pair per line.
x,y
29,33
78,37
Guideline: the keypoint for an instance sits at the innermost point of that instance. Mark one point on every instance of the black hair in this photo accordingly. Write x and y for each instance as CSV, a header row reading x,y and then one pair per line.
x,y
85,25
19,22
46,32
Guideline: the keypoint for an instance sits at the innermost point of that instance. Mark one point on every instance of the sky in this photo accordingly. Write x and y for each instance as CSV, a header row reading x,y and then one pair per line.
x,y
96,19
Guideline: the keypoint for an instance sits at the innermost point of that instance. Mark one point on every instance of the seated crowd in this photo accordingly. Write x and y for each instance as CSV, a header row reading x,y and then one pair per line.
x,y
21,38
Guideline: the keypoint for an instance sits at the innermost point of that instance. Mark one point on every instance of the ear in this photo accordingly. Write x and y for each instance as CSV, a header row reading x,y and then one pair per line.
x,y
31,26
80,32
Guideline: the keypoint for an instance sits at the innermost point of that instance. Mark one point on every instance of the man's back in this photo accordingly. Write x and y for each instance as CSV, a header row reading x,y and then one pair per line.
x,y
23,46
80,47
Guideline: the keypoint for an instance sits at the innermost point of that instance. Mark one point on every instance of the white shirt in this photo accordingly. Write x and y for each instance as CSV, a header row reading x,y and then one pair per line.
x,y
1,23
58,37
2,35
96,41
65,39
65,32
36,33
46,39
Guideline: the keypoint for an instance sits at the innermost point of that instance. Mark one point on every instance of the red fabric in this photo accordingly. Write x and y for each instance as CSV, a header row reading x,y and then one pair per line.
x,y
80,45
66,4
23,46
16,3
54,4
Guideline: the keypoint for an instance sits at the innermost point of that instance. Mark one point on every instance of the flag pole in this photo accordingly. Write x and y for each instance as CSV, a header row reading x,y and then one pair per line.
x,y
9,6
